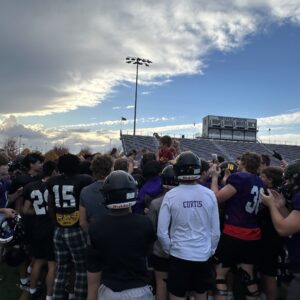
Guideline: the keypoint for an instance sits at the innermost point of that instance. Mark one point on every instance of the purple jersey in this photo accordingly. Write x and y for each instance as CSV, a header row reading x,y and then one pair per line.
x,y
241,210
294,242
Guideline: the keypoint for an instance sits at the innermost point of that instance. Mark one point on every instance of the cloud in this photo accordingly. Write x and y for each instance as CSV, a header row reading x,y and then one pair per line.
x,y
117,107
118,122
129,106
58,56
282,119
10,128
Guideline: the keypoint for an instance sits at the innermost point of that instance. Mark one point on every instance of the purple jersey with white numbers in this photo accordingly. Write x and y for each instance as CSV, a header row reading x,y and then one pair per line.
x,y
294,242
241,209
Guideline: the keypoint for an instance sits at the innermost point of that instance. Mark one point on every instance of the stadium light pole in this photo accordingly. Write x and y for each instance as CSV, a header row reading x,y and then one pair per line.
x,y
138,62
20,139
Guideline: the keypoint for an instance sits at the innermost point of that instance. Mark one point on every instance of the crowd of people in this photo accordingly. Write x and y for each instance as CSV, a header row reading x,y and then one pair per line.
x,y
165,225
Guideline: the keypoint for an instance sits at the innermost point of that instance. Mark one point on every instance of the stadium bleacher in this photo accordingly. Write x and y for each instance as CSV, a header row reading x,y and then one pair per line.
x,y
230,150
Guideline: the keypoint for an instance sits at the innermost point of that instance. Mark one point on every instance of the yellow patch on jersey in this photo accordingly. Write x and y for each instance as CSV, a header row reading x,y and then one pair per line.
x,y
68,220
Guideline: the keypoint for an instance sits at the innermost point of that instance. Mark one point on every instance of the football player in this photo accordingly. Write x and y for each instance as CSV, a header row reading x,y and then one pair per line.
x,y
159,257
240,240
189,230
120,243
39,229
288,223
69,238
271,243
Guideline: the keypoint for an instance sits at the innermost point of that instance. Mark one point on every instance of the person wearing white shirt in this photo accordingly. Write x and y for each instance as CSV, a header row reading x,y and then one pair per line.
x,y
189,231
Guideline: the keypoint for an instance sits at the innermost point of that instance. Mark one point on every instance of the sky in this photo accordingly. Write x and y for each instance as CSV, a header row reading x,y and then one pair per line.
x,y
64,80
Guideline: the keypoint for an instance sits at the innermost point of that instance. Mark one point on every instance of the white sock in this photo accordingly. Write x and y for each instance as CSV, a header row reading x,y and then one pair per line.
x,y
32,291
49,297
29,269
24,280
71,296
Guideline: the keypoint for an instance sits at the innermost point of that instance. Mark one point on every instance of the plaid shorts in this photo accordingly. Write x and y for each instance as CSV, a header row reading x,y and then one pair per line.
x,y
70,246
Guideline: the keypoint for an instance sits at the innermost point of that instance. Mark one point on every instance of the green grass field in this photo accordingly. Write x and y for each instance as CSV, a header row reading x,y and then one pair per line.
x,y
8,286
9,290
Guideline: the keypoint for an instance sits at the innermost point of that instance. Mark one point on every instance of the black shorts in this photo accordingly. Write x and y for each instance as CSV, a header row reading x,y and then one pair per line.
x,y
185,275
43,249
160,264
232,251
270,252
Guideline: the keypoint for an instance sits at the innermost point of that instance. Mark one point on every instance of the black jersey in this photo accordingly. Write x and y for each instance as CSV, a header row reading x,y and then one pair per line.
x,y
65,192
120,245
38,225
21,181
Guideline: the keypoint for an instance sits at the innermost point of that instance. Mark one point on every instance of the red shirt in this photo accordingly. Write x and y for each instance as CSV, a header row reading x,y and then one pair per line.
x,y
167,154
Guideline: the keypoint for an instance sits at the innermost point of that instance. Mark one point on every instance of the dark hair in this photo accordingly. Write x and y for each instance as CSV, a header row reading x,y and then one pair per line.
x,y
3,159
166,140
275,174
32,158
147,157
121,164
102,166
113,151
85,167
48,168
251,162
204,166
266,159
220,159
151,169
68,164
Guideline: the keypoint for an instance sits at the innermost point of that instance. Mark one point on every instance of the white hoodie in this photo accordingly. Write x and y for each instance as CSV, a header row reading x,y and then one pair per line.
x,y
188,223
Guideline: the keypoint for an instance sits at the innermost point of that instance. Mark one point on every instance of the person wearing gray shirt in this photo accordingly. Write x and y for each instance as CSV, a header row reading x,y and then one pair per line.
x,y
91,198
160,259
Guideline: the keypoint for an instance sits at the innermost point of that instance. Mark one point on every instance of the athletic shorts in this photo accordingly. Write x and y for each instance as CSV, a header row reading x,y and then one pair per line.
x,y
185,275
43,249
160,264
268,263
232,251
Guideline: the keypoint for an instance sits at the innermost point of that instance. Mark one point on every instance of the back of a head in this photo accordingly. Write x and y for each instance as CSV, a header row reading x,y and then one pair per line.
x,y
166,140
292,177
102,165
85,167
68,164
265,159
4,160
168,176
204,166
251,162
121,164
147,157
275,174
48,168
120,190
187,166
151,169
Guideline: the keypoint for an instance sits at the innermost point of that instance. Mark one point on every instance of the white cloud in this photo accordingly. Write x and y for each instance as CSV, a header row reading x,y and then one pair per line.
x,y
118,122
117,107
10,128
282,119
129,106
58,56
